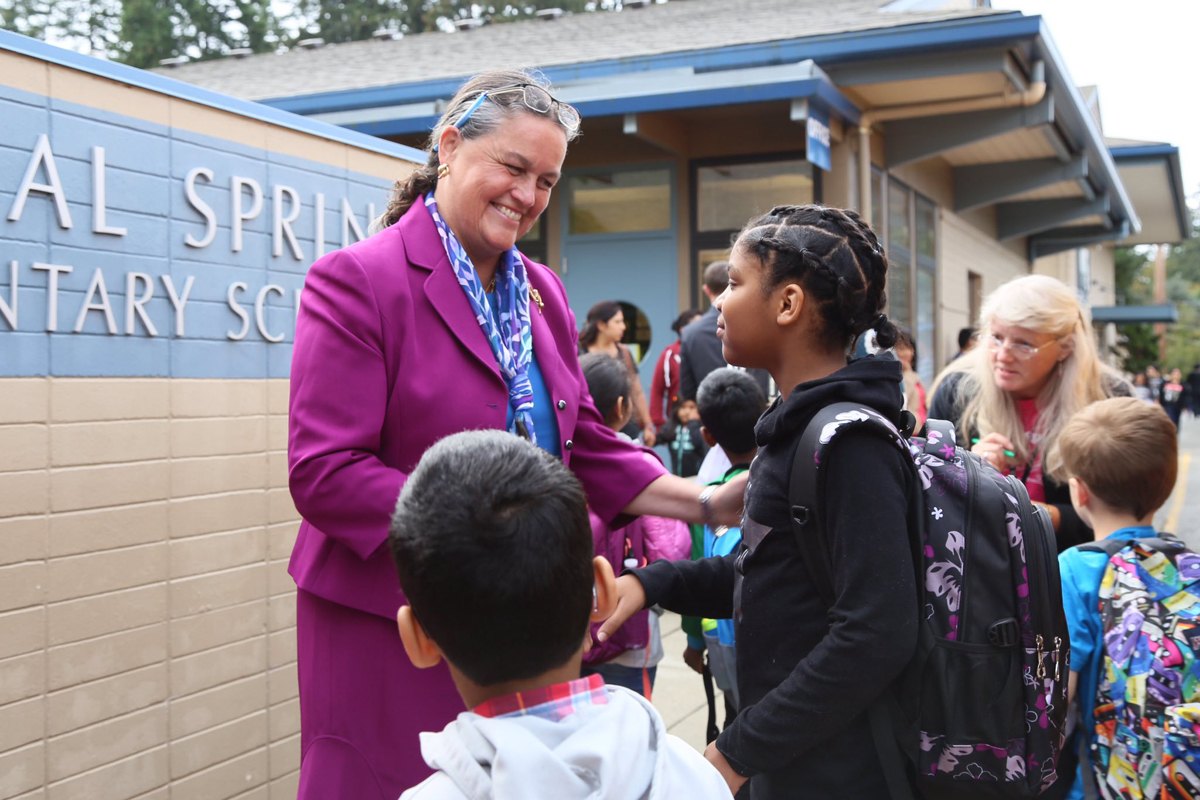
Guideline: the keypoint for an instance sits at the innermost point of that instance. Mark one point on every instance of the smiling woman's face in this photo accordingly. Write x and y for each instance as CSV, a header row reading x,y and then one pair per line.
x,y
499,183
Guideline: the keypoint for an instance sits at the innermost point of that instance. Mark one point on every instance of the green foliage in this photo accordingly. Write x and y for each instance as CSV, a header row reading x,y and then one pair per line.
x,y
1183,289
1135,286
143,32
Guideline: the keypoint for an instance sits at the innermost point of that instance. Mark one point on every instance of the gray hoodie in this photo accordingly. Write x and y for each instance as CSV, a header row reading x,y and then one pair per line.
x,y
617,751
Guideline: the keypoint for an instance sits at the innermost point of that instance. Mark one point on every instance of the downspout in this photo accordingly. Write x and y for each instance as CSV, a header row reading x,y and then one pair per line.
x,y
1030,95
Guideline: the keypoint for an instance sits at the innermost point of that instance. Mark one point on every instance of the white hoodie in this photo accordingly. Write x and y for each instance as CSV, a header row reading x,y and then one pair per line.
x,y
617,751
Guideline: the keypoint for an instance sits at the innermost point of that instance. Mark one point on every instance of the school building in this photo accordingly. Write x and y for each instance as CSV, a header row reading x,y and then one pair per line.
x,y
155,228
953,127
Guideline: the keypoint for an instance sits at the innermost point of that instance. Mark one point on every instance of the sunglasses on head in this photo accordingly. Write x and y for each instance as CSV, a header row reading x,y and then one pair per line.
x,y
535,98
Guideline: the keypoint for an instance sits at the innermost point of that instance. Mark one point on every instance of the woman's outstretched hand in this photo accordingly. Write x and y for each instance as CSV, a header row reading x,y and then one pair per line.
x,y
727,501
631,598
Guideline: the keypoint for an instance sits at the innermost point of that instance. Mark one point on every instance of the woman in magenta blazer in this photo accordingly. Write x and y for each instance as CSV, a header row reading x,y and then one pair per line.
x,y
432,326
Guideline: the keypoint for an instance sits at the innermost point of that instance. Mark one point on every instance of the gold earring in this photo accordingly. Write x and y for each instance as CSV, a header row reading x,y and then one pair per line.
x,y
443,170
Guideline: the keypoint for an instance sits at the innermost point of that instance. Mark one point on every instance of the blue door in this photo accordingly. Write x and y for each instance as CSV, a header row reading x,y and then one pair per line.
x,y
620,243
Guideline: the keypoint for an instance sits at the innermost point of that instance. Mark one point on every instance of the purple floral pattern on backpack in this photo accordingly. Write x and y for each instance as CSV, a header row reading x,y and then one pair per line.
x,y
952,483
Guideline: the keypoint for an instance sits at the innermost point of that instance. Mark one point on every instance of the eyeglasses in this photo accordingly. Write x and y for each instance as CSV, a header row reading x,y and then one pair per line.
x,y
535,98
1022,351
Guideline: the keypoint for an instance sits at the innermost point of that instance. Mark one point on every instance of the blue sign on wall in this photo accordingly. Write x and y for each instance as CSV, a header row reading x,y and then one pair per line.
x,y
816,147
128,248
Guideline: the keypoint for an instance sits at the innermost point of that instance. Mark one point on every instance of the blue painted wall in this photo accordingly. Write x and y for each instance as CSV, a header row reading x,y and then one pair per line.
x,y
144,177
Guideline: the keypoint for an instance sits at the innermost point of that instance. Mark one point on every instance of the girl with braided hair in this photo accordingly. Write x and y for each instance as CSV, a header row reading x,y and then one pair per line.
x,y
804,283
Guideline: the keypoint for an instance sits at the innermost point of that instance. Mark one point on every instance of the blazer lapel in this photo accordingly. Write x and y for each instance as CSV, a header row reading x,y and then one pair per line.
x,y
425,251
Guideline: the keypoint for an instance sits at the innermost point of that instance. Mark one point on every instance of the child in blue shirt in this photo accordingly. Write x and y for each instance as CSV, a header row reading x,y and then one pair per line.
x,y
729,402
1122,457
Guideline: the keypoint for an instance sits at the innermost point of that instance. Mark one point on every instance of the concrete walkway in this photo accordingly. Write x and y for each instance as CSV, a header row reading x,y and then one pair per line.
x,y
679,692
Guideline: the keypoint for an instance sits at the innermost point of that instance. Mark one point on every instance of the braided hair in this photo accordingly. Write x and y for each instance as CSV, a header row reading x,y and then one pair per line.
x,y
838,261
483,121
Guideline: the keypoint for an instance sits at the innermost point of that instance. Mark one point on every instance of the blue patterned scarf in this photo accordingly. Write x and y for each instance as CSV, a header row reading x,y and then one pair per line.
x,y
512,340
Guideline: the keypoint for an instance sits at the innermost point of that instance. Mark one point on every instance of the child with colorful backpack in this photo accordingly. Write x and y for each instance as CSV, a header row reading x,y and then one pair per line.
x,y
730,402
630,657
1132,600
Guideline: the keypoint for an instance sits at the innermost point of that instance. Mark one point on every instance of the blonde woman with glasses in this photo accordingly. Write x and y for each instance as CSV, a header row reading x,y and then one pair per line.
x,y
1035,366
434,325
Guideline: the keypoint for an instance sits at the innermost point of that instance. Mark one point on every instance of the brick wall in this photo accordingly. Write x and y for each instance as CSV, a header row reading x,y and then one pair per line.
x,y
147,620
147,639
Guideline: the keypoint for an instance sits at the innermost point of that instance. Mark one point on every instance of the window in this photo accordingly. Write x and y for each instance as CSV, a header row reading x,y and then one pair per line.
x,y
1083,274
899,253
728,194
910,234
620,202
925,235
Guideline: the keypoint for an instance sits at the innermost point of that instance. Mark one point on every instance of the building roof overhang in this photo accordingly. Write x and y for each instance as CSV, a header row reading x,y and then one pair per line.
x,y
1152,176
661,90
1042,166
1123,315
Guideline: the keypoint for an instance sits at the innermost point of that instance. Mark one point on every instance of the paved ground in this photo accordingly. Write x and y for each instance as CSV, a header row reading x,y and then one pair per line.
x,y
679,693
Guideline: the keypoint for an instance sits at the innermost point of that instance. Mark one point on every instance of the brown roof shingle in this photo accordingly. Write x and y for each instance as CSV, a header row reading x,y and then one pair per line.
x,y
677,26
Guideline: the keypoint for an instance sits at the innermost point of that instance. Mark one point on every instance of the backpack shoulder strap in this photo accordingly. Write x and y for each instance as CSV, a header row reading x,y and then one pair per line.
x,y
804,511
1110,547
803,484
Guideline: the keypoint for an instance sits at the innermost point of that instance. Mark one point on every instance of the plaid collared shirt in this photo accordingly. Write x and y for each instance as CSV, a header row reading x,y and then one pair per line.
x,y
549,702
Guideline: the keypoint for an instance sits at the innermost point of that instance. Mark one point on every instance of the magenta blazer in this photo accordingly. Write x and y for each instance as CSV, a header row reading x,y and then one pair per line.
x,y
389,359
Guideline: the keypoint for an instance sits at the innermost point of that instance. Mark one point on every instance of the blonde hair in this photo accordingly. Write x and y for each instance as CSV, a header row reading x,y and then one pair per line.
x,y
485,119
1047,306
1125,450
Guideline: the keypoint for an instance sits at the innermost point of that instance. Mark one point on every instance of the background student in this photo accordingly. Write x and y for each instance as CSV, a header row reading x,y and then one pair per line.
x,y
1122,459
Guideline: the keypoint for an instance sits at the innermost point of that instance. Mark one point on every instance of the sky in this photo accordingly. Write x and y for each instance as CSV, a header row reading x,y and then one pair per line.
x,y
1143,58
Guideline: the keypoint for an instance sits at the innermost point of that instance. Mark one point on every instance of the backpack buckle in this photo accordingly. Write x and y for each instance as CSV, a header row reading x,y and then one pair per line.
x,y
800,515
1004,633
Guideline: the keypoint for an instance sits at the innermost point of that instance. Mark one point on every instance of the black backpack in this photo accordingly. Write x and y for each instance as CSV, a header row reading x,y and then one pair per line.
x,y
979,712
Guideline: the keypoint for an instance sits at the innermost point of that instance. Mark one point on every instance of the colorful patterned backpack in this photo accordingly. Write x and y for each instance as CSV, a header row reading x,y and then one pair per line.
x,y
1145,742
979,712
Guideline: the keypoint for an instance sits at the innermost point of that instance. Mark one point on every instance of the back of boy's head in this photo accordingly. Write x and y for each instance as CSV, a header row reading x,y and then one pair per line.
x,y
607,380
730,402
1125,450
838,260
494,550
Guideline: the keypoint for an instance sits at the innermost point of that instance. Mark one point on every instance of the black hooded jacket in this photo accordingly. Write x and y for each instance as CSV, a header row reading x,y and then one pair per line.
x,y
807,673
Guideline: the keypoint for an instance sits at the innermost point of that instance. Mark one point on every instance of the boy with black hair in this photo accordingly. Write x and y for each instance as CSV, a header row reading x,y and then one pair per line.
x,y
729,402
1121,456
494,551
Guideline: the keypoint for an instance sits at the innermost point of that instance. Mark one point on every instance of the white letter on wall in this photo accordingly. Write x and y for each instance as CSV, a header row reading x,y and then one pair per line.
x,y
210,219
135,302
178,301
42,153
9,309
319,235
350,223
235,288
54,271
283,224
240,214
97,287
260,303
99,197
